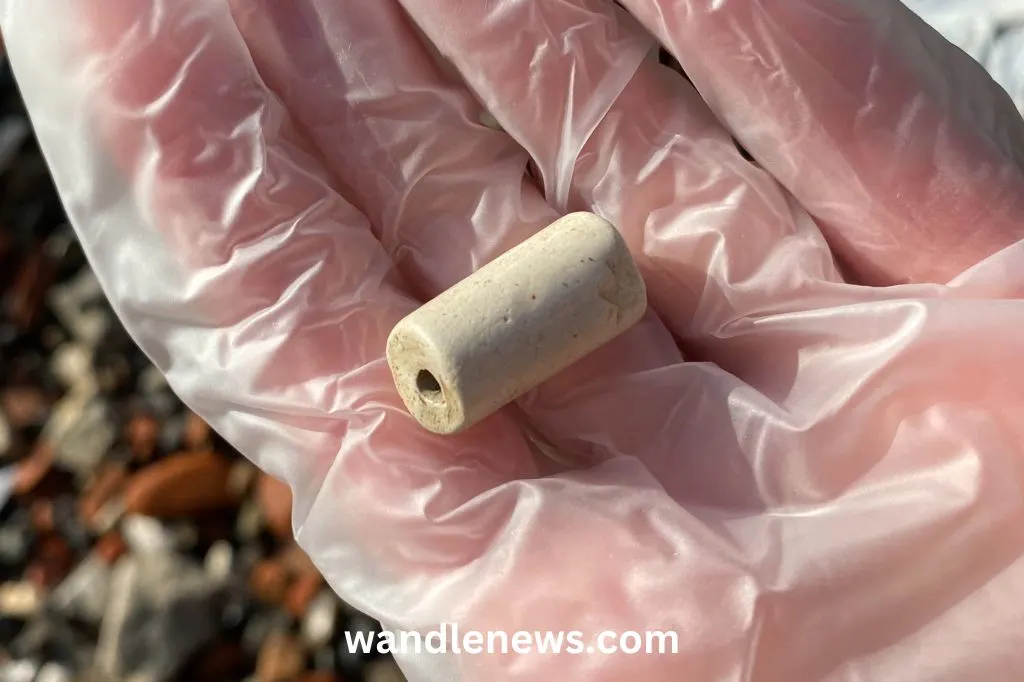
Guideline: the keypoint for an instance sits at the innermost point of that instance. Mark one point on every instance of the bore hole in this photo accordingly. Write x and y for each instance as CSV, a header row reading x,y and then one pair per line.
x,y
429,387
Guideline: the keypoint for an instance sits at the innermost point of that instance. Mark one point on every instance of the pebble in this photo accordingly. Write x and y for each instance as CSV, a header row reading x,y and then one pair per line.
x,y
163,609
143,432
83,594
269,581
260,626
183,484
54,672
72,364
20,599
197,432
248,522
52,561
110,547
33,469
66,522
24,406
297,561
19,671
6,437
275,500
73,301
219,561
302,592
88,438
50,638
242,478
147,535
320,619
107,481
172,433
152,380
281,659
108,516
16,536
40,511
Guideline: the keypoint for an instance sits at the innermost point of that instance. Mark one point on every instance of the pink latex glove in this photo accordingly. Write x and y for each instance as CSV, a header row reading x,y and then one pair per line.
x,y
829,489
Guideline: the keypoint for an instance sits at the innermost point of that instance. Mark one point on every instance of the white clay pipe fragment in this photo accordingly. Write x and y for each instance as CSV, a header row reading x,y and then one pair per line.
x,y
515,322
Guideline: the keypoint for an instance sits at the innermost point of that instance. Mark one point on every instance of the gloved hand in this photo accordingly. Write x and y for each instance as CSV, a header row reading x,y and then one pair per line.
x,y
828,488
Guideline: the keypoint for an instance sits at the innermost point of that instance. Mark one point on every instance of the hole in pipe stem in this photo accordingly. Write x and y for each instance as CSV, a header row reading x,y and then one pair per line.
x,y
429,387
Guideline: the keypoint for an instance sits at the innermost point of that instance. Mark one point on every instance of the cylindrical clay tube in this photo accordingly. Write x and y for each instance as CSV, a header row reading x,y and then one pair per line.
x,y
517,321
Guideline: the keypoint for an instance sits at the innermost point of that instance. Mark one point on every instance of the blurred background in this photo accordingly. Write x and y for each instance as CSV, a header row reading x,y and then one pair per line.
x,y
135,544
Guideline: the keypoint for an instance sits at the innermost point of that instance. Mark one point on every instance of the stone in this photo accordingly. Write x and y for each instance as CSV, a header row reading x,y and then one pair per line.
x,y
184,484
41,512
515,322
320,619
23,670
281,659
162,609
143,433
67,523
24,406
33,469
151,380
48,637
6,437
16,536
219,561
243,477
104,487
275,499
83,594
197,432
82,431
172,433
72,303
248,521
51,560
54,672
110,547
20,599
269,581
148,535
260,626
72,364
302,592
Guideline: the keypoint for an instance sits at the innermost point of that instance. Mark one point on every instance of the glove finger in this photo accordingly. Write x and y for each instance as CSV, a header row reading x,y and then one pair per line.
x,y
446,194
906,151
